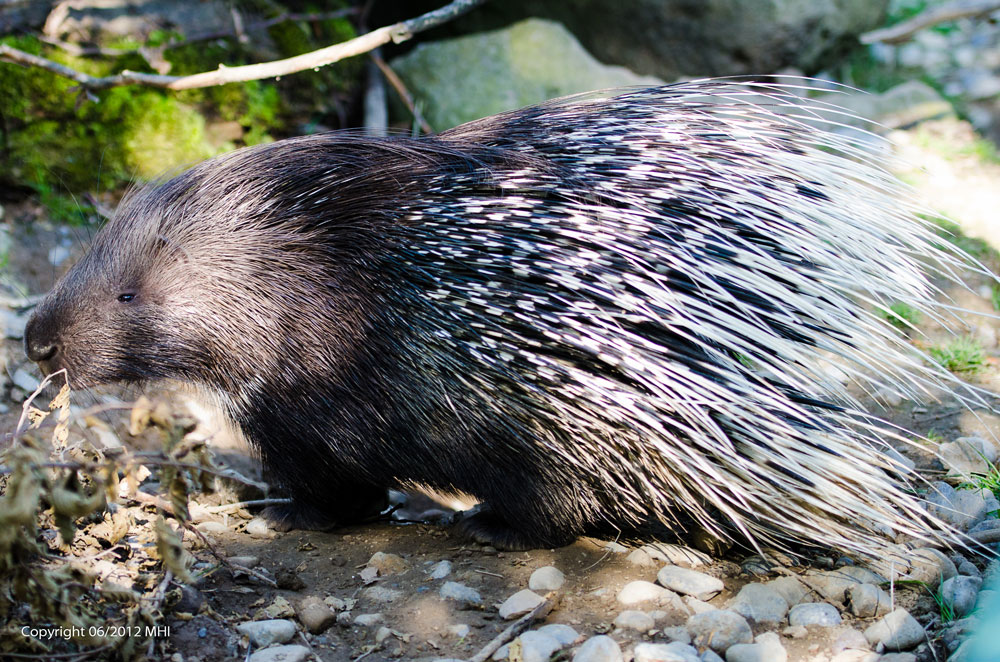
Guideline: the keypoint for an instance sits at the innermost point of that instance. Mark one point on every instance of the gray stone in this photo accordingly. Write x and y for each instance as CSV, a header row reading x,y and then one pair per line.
x,y
290,653
960,508
460,593
564,634
601,648
930,566
440,570
640,558
368,620
520,604
641,591
382,594
766,648
833,584
537,646
676,554
855,656
490,72
898,657
689,582
814,613
759,603
547,578
672,652
265,633
898,631
966,456
459,630
868,600
631,619
719,630
387,564
315,615
960,592
790,588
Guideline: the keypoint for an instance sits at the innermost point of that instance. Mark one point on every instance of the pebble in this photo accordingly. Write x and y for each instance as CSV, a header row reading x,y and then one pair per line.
x,y
537,646
460,593
382,634
961,592
387,564
696,606
898,631
719,630
766,648
265,633
689,582
790,588
960,508
24,380
564,634
856,656
601,648
368,620
382,594
212,528
440,570
814,613
966,456
759,603
459,631
520,604
868,600
833,584
676,554
642,591
898,657
631,619
546,578
258,528
290,653
930,566
672,652
315,615
641,558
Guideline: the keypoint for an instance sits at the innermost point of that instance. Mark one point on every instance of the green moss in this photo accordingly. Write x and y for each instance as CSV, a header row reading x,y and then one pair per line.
x,y
902,315
963,354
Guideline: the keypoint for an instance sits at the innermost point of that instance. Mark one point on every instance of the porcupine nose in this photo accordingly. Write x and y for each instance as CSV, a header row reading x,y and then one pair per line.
x,y
39,342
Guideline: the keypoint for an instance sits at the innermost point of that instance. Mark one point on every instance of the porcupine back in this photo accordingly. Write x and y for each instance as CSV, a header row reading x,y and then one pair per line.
x,y
659,297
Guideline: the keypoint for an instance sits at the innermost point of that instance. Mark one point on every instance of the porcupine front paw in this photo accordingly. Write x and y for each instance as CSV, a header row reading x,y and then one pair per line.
x,y
346,508
481,524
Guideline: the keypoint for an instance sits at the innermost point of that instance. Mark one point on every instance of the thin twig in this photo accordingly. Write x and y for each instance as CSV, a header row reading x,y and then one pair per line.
x,y
397,33
516,628
902,32
404,94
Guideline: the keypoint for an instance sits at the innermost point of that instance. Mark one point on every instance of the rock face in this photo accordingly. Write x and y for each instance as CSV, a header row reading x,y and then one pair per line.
x,y
674,38
474,76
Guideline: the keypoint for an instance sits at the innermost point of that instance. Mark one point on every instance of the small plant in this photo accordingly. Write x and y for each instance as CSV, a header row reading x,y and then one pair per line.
x,y
902,315
995,297
963,354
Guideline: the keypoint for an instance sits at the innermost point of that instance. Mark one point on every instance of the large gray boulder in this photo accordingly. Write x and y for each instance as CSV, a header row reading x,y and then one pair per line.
x,y
465,78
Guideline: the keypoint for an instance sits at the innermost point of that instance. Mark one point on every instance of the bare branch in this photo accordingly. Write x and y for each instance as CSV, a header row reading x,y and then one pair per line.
x,y
397,33
404,94
902,32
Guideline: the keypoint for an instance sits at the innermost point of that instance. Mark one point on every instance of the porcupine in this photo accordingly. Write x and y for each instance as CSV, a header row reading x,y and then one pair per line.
x,y
588,314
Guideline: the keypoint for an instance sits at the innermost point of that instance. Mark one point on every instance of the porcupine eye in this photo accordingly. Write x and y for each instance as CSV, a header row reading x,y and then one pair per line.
x,y
126,297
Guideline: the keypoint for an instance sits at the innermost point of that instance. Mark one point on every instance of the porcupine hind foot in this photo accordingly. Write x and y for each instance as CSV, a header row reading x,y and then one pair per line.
x,y
483,525
348,505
